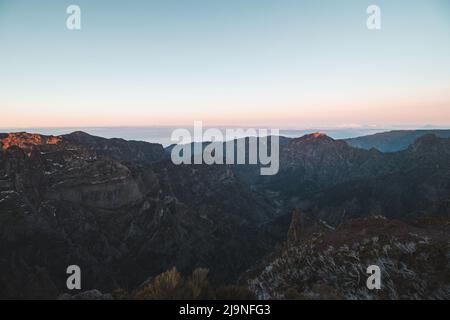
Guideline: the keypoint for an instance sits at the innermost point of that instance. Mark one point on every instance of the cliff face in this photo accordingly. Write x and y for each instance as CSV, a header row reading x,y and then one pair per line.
x,y
107,207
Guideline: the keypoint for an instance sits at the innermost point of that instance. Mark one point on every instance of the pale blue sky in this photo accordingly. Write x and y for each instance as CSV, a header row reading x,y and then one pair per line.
x,y
286,63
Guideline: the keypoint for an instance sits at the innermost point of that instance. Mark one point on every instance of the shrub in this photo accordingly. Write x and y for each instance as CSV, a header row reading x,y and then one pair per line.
x,y
165,286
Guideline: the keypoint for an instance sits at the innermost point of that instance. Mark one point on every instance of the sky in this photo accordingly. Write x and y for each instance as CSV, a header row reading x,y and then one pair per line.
x,y
278,63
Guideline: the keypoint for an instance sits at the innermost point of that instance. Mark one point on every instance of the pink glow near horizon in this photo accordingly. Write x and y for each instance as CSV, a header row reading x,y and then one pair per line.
x,y
239,63
380,112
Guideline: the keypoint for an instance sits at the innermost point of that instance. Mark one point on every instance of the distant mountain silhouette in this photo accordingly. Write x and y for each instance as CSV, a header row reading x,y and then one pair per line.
x,y
393,140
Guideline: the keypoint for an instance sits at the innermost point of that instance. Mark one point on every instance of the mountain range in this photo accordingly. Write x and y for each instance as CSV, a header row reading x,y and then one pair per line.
x,y
124,213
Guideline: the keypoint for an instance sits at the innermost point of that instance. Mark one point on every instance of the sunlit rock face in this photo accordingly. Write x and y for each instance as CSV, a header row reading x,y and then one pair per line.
x,y
27,141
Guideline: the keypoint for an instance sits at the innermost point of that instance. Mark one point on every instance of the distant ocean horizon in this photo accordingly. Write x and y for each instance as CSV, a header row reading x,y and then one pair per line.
x,y
162,134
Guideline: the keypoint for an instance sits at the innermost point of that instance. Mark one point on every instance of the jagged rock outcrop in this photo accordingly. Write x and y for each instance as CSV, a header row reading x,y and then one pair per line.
x,y
304,226
413,258
297,228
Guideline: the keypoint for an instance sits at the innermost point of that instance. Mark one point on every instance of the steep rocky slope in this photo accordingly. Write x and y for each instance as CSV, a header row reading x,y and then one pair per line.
x,y
64,201
414,260
413,182
337,182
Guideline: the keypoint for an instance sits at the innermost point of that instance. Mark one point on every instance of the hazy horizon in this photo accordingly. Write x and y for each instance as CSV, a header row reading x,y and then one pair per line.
x,y
162,134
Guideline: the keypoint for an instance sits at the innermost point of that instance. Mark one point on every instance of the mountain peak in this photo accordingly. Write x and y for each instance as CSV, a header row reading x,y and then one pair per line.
x,y
317,135
81,136
314,137
79,133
